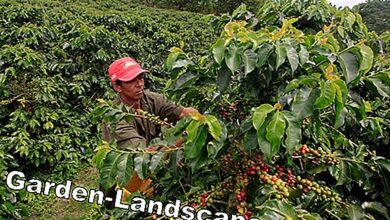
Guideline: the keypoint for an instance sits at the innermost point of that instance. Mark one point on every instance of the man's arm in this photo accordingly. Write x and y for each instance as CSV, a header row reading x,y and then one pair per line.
x,y
127,136
166,109
169,110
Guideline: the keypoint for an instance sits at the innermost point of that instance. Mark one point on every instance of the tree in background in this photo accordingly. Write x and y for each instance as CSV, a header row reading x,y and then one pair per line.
x,y
376,15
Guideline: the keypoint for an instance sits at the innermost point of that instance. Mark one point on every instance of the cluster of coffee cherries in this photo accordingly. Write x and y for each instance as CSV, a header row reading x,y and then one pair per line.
x,y
250,171
282,179
207,198
243,180
315,156
285,173
154,118
247,173
226,112
277,184
279,180
223,113
229,164
323,192
242,205
240,195
283,182
203,199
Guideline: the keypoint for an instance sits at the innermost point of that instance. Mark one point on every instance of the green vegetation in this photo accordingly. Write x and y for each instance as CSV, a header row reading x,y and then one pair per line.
x,y
85,176
203,6
386,40
295,96
298,117
53,61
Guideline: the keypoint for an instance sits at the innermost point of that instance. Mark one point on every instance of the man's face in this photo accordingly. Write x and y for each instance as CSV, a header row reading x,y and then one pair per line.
x,y
133,89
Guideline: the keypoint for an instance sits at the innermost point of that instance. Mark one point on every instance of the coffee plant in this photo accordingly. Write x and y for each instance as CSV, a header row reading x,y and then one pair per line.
x,y
202,6
294,125
54,57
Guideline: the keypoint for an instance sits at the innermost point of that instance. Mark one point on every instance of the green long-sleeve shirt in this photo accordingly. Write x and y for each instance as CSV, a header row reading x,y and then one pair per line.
x,y
140,130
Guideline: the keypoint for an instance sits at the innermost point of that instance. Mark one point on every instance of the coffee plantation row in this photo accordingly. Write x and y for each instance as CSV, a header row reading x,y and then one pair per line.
x,y
53,61
301,96
295,96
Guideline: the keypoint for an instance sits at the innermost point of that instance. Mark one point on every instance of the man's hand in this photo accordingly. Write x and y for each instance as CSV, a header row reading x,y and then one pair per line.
x,y
188,111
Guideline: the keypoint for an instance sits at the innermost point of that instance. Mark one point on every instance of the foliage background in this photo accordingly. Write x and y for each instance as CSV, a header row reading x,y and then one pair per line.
x,y
314,151
203,6
53,62
54,55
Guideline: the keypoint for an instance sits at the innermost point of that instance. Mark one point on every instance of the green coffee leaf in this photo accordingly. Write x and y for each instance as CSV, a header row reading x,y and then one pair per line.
x,y
275,131
293,133
182,124
303,104
100,156
263,54
141,164
292,56
340,172
293,84
381,87
250,141
303,55
109,170
383,163
219,50
185,80
377,207
199,161
214,126
279,208
156,161
260,115
265,146
125,168
233,58
192,130
281,54
343,89
355,212
339,108
367,58
250,59
328,92
193,149
311,216
223,78
349,64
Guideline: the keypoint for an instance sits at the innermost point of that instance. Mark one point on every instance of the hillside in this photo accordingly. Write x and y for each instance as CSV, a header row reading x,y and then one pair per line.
x,y
376,15
293,112
53,61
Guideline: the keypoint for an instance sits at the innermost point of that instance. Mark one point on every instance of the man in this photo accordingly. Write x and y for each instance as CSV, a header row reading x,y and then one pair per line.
x,y
127,80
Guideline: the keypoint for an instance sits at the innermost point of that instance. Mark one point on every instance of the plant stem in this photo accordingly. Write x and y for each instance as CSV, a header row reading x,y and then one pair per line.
x,y
163,123
148,151
339,132
351,160
329,212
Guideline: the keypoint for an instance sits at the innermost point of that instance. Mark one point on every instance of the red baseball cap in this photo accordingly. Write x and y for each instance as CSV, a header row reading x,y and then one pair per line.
x,y
125,69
